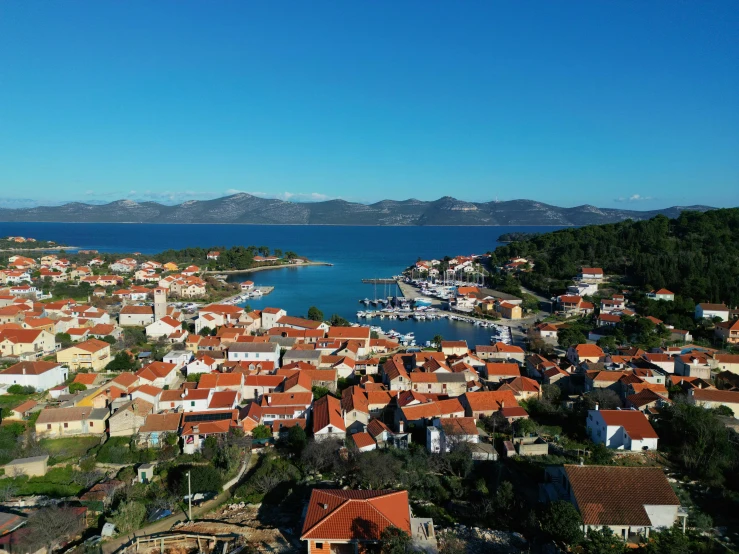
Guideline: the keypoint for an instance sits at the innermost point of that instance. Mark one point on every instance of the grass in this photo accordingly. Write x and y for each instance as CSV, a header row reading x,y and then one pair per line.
x,y
69,448
56,483
13,400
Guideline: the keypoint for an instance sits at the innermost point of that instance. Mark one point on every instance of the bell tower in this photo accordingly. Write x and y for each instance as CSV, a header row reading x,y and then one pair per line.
x,y
160,303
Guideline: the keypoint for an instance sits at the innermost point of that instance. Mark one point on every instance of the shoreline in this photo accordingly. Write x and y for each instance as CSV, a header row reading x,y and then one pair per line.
x,y
294,224
265,267
54,249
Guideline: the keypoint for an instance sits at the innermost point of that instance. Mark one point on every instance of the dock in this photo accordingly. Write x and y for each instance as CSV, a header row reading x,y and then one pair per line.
x,y
389,281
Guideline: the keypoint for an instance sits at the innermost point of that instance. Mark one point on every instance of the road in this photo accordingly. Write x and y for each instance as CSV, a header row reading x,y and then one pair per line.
x,y
167,523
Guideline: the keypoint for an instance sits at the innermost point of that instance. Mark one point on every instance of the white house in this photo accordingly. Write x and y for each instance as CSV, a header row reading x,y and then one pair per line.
x,y
136,316
163,327
328,422
705,310
448,431
270,316
661,294
203,364
39,375
254,352
178,357
621,430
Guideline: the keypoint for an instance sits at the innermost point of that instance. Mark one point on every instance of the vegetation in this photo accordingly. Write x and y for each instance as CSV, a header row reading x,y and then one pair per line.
x,y
693,255
315,314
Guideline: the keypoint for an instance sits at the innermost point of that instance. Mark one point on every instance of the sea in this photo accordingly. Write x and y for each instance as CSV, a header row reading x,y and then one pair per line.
x,y
355,253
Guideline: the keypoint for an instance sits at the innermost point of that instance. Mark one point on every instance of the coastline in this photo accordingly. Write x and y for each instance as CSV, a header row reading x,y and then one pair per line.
x,y
264,267
53,249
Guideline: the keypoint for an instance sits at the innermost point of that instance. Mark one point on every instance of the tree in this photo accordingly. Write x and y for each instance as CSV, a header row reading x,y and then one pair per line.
x,y
261,432
570,337
53,525
129,516
20,389
314,314
562,522
202,479
64,339
667,541
525,427
606,399
296,439
338,321
319,392
601,455
123,361
603,541
394,541
77,387
110,339
134,336
437,340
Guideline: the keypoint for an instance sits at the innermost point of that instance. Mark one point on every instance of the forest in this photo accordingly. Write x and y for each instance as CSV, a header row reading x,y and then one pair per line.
x,y
695,255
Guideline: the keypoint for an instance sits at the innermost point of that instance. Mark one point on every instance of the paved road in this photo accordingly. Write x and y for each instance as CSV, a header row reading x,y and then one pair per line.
x,y
167,523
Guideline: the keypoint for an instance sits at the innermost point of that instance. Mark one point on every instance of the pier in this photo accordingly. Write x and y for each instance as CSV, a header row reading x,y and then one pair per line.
x,y
390,281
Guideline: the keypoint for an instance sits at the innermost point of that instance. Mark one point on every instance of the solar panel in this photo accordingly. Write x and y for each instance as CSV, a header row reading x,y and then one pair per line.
x,y
197,418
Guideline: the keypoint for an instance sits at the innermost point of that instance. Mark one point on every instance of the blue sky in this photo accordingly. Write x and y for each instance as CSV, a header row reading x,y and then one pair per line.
x,y
617,104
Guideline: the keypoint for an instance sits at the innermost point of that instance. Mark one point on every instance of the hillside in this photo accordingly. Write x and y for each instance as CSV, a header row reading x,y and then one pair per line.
x,y
695,255
248,209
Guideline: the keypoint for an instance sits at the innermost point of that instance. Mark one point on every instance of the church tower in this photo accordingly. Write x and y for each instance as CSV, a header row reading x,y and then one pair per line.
x,y
160,303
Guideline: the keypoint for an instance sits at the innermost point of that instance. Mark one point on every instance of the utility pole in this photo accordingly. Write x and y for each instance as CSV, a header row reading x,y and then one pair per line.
x,y
189,497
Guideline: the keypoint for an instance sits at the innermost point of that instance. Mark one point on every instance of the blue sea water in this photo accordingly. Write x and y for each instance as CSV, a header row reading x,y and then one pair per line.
x,y
356,253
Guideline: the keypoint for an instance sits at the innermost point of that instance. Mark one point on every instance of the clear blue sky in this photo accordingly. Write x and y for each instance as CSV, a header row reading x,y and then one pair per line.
x,y
612,103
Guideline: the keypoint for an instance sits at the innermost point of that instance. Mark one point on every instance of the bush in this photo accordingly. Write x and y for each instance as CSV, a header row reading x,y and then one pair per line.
x,y
77,387
19,389
202,479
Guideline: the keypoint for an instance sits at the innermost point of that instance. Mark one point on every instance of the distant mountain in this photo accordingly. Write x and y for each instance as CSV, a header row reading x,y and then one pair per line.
x,y
248,209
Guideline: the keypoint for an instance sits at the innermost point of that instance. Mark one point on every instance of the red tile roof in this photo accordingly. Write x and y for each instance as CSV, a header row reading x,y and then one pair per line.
x,y
327,411
363,440
613,495
354,515
634,422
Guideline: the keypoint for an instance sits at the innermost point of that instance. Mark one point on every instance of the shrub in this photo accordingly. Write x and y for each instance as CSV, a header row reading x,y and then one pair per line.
x,y
19,389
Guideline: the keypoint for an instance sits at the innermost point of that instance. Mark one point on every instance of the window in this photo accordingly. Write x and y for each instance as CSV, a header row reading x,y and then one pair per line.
x,y
66,424
92,424
192,403
319,546
48,426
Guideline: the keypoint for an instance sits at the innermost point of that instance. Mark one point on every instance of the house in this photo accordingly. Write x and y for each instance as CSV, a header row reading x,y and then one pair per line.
x,y
364,442
128,418
661,294
158,374
270,316
445,433
621,430
328,421
423,412
500,351
628,500
67,422
26,343
202,364
163,328
39,375
693,364
338,521
584,352
727,331
257,385
153,433
486,403
590,275
23,410
545,331
136,316
198,426
180,358
508,310
523,388
452,384
92,354
707,310
360,334
254,352
713,398
454,347
498,371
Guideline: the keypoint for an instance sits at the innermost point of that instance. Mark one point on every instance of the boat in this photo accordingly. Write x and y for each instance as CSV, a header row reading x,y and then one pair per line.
x,y
422,301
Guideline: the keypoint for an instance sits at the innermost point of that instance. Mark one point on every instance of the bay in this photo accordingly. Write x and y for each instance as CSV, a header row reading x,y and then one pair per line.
x,y
356,253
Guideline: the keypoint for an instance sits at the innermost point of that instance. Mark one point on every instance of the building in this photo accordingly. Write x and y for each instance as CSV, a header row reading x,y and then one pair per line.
x,y
254,352
713,398
163,327
707,310
136,316
628,500
447,432
590,275
36,466
67,422
661,294
693,364
129,418
91,354
270,316
621,430
26,343
338,521
39,375
728,331
328,421
160,303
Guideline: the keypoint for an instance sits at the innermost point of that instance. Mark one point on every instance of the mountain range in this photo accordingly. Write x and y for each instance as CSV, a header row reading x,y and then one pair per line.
x,y
248,209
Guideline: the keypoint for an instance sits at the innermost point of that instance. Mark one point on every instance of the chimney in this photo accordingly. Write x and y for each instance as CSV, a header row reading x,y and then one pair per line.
x,y
324,506
24,369
401,426
597,406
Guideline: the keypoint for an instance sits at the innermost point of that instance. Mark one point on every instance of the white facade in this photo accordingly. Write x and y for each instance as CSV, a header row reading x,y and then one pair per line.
x,y
255,352
41,382
178,357
616,436
161,328
269,319
702,312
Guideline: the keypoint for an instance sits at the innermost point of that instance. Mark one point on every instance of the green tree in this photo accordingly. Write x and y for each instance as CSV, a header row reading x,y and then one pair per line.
x,y
123,361
437,340
562,522
319,392
315,314
600,454
394,540
129,516
525,427
296,439
77,387
262,432
667,541
64,339
603,541
338,321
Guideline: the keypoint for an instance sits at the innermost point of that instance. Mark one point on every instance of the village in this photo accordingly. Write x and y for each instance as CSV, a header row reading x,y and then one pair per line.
x,y
124,407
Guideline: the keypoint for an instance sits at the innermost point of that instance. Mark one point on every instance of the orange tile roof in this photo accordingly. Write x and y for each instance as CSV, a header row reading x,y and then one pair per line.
x,y
502,369
327,411
363,440
345,515
715,395
634,423
485,401
589,351
459,426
